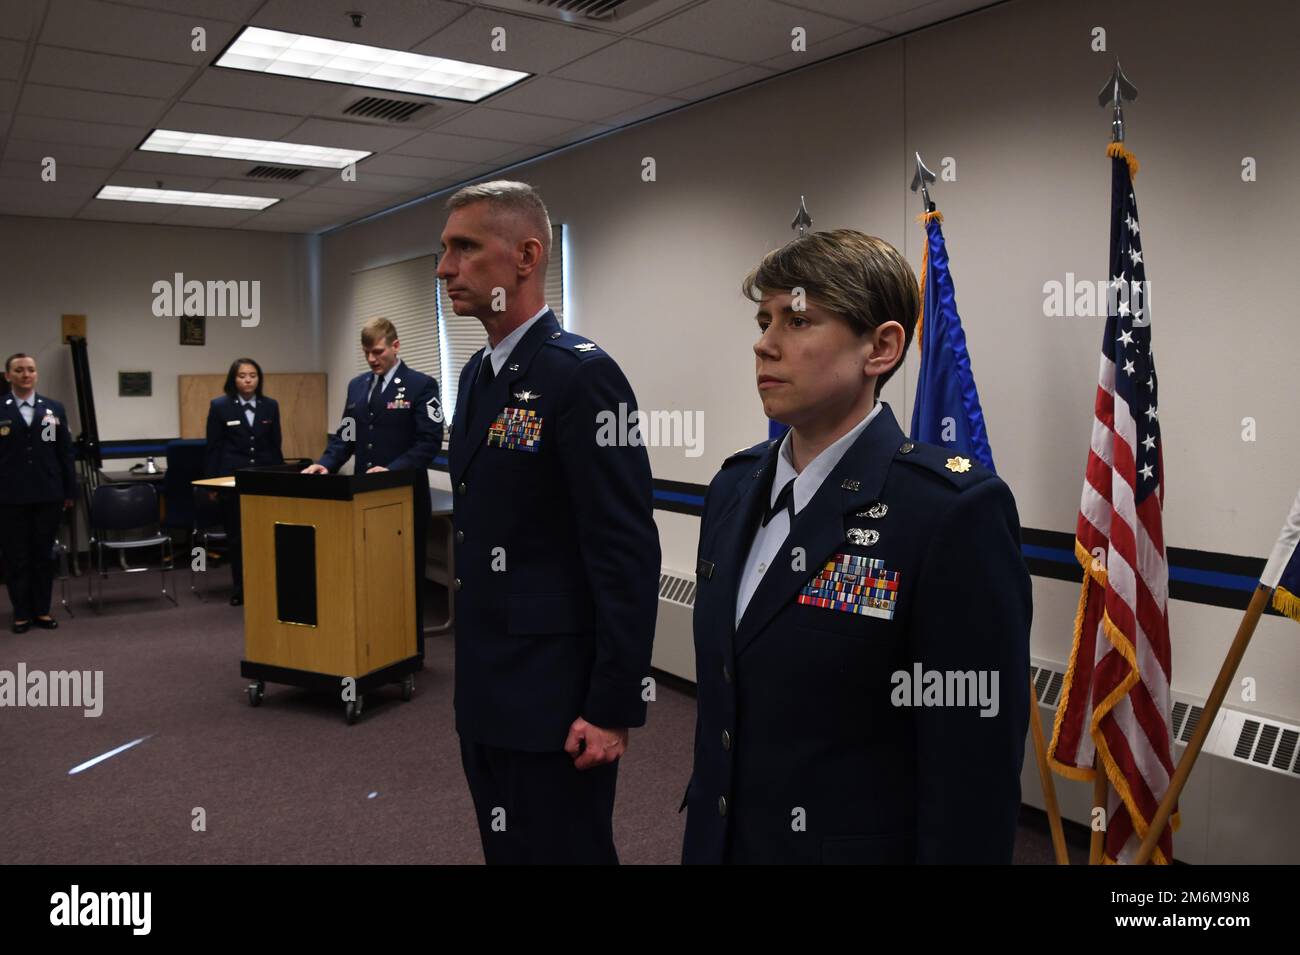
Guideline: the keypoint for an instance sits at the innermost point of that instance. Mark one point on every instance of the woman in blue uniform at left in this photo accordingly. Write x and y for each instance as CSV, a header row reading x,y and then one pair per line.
x,y
243,432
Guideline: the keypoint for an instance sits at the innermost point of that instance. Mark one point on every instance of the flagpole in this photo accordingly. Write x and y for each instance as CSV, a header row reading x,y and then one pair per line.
x,y
1045,777
1097,845
1229,670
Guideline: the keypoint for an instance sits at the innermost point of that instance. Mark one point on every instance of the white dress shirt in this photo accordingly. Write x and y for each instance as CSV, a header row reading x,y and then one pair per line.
x,y
249,407
767,542
27,407
507,344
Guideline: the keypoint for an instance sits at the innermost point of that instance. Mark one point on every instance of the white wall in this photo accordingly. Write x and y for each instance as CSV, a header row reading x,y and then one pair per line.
x,y
1010,94
106,270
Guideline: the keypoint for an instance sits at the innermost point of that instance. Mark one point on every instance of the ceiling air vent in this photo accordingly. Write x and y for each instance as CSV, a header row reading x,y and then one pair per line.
x,y
386,110
598,10
274,172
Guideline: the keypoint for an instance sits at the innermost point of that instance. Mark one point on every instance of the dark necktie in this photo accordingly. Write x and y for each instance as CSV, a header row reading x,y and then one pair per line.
x,y
784,502
482,384
376,388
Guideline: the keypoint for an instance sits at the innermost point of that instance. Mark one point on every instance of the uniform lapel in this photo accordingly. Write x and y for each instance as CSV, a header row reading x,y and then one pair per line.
x,y
473,434
819,528
737,522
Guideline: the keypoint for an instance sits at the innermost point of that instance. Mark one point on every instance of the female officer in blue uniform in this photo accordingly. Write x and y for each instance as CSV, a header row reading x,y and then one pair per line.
x,y
862,612
243,432
37,483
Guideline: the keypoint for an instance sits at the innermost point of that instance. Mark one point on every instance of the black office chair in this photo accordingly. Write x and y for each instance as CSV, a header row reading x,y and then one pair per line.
x,y
129,510
207,515
61,554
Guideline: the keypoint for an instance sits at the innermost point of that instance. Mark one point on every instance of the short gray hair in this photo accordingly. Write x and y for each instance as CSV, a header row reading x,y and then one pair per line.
x,y
505,195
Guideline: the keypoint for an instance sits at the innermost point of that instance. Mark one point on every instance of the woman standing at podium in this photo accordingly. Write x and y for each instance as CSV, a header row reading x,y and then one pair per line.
x,y
243,432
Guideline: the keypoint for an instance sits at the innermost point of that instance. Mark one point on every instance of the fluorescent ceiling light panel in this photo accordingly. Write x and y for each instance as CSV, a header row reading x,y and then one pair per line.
x,y
316,58
181,197
254,150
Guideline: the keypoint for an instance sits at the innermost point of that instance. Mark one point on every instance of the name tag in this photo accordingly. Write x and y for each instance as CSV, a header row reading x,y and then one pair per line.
x,y
516,429
851,583
231,423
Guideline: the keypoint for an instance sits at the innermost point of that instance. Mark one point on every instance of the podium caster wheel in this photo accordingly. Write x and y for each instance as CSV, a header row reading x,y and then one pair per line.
x,y
255,693
408,687
352,711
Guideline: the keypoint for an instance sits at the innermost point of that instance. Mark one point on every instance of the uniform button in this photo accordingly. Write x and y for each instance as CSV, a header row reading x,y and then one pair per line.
x,y
726,674
460,488
726,740
722,805
460,537
907,447
456,585
370,447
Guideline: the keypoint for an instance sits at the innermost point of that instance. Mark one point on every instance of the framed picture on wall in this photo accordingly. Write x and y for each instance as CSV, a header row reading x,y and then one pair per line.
x,y
194,330
134,384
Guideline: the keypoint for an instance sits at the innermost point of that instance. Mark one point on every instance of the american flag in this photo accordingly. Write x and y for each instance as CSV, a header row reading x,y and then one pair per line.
x,y
1115,705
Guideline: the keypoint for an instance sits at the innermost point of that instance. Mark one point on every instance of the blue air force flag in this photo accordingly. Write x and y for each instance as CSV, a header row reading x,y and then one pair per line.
x,y
947,410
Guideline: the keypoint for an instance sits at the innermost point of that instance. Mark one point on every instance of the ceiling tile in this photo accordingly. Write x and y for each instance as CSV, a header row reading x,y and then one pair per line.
x,y
131,31
442,146
534,46
11,59
29,171
76,131
730,81
419,167
549,96
653,108
854,38
925,14
235,11
506,125
223,121
124,211
859,11
61,192
73,153
394,24
109,74
645,67
148,180
257,187
18,19
169,164
353,198
325,132
578,135
207,218
276,94
29,207
8,95
712,28
60,102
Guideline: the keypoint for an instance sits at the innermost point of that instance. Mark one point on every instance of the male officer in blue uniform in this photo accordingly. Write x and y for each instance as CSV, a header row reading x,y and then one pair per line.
x,y
557,553
392,421
243,431
862,614
37,483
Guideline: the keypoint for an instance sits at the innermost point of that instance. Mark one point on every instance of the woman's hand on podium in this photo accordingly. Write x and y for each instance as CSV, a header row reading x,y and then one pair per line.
x,y
375,469
315,469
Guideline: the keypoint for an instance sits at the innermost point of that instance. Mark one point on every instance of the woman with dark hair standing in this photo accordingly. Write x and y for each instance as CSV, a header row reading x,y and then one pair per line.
x,y
243,432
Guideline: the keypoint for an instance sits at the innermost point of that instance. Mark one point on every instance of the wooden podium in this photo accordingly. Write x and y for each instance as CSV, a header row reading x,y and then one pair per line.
x,y
329,582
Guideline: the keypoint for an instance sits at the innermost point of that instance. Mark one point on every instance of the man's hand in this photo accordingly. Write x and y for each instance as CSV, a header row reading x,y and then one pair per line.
x,y
603,746
375,468
315,469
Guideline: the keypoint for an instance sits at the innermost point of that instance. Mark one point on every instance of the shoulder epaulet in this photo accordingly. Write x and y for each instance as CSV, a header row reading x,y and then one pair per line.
x,y
741,454
575,344
961,470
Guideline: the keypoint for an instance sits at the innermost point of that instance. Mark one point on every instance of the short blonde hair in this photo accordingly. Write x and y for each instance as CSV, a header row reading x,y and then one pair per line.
x,y
377,328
